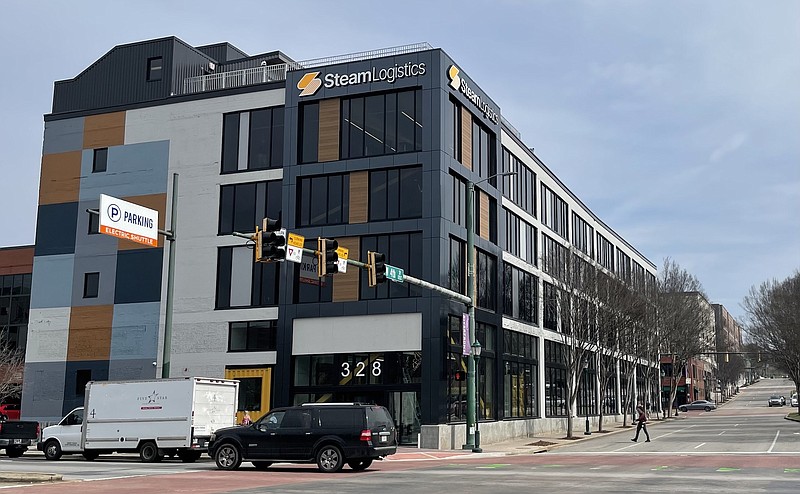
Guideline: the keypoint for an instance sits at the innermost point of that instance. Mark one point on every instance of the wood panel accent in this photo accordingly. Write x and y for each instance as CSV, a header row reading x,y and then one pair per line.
x,y
345,285
60,179
359,197
151,201
466,138
16,260
483,200
329,130
102,131
90,332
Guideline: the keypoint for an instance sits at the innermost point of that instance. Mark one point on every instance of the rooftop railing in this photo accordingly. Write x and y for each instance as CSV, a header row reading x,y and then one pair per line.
x,y
273,73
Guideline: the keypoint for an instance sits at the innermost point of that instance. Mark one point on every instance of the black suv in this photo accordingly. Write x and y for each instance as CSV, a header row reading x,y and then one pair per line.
x,y
330,434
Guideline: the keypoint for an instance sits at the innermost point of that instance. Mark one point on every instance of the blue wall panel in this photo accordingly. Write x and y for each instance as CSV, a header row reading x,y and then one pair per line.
x,y
132,170
138,276
61,136
46,401
134,333
52,281
73,398
55,229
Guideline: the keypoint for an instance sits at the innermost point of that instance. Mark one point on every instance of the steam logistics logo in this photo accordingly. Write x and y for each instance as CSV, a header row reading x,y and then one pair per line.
x,y
455,79
309,84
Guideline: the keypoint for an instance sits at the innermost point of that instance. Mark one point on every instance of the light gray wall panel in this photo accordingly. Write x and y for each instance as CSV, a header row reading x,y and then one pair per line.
x,y
48,333
350,334
61,136
52,281
133,170
123,370
134,333
43,391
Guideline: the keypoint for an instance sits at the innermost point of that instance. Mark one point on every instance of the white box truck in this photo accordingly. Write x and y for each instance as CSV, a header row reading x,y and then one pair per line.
x,y
152,418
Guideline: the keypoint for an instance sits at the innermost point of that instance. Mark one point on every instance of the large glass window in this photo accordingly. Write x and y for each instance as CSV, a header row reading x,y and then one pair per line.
x,y
252,140
323,200
453,129
554,257
459,188
520,238
520,188
381,124
484,152
456,370
252,336
309,138
582,235
243,283
402,250
555,384
550,306
605,252
554,212
458,263
623,266
520,353
15,296
395,193
244,206
486,279
520,294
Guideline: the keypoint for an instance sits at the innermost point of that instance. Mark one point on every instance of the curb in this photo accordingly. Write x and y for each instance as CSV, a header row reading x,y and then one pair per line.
x,y
29,477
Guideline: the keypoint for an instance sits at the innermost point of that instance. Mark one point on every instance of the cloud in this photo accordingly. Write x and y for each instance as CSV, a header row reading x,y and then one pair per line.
x,y
732,144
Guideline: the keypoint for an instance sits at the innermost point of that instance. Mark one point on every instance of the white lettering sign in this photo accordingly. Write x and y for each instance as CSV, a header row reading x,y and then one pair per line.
x,y
127,220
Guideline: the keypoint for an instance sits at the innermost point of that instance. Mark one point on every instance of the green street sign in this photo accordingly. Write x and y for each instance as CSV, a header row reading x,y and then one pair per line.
x,y
395,274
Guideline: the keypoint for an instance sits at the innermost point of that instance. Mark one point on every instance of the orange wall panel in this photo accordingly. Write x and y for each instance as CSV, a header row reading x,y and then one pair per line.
x,y
90,332
60,179
102,131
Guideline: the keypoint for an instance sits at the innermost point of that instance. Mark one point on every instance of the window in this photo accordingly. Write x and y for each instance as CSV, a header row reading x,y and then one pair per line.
x,y
249,394
242,283
486,280
520,238
550,309
244,206
395,194
605,252
154,68
554,257
91,285
94,224
252,336
309,139
459,188
554,212
403,250
456,368
82,377
555,386
520,294
520,188
519,374
252,140
458,262
484,159
453,129
323,200
100,160
582,235
623,266
15,295
381,124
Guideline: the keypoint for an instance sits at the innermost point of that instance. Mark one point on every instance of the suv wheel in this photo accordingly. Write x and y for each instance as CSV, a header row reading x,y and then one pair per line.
x,y
228,457
52,450
330,459
359,465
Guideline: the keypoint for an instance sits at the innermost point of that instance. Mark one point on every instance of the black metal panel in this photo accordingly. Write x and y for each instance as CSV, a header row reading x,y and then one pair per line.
x,y
222,52
120,76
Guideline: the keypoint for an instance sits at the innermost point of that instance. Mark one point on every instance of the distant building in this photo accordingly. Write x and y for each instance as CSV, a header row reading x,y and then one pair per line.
x,y
16,266
374,149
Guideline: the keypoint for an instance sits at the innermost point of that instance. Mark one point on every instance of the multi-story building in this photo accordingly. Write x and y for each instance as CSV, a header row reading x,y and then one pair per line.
x,y
16,265
728,334
374,149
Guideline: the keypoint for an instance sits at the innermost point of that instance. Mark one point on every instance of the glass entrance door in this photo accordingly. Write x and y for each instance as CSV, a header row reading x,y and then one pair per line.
x,y
404,407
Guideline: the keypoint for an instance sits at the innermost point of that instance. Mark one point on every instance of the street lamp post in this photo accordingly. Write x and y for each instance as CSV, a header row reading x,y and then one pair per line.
x,y
470,437
587,432
476,354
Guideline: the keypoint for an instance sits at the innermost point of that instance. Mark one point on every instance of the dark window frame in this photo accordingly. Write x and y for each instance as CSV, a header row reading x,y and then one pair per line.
x,y
251,329
91,284
155,69
100,160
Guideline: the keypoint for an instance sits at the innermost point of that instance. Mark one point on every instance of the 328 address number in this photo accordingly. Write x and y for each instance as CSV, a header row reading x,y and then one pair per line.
x,y
360,369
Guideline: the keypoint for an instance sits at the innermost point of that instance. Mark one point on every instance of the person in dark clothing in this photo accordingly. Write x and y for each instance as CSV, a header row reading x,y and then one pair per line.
x,y
642,421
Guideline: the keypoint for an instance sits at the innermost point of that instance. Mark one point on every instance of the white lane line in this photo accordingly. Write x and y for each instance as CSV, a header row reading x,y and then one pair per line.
x,y
699,445
659,437
721,433
774,441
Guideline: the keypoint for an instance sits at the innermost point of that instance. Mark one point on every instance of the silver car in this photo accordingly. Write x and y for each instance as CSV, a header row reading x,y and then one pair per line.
x,y
698,405
776,401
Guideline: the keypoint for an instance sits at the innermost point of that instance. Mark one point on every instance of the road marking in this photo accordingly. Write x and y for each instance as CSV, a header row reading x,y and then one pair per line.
x,y
728,469
699,445
721,433
774,441
496,465
791,470
663,467
659,437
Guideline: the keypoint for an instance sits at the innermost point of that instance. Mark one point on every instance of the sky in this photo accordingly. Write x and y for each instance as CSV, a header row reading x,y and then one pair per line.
x,y
677,123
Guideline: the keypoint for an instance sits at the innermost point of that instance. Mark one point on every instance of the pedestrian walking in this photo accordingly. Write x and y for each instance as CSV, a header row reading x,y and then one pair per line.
x,y
246,419
642,424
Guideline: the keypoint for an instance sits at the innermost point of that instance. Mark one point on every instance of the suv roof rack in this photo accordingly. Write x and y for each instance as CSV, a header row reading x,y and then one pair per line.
x,y
334,403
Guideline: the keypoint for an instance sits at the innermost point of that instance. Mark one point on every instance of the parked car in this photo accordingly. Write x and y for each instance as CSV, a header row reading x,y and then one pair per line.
x,y
776,401
328,434
794,400
9,411
698,405
16,436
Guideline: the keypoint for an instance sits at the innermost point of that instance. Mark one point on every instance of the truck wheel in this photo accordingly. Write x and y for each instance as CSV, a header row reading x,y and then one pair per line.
x,y
359,465
330,459
52,450
189,456
16,451
228,457
148,452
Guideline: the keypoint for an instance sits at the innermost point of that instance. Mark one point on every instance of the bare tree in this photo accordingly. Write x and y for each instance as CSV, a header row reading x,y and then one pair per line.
x,y
682,320
12,362
773,311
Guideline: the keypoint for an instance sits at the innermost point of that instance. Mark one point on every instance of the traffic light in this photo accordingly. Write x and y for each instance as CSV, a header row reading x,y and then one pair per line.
x,y
270,242
327,258
376,267
459,375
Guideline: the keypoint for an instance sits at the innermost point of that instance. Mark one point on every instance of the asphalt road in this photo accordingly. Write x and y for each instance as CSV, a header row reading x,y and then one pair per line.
x,y
743,447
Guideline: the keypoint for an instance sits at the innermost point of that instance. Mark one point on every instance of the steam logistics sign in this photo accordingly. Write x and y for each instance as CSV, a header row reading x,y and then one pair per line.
x,y
128,220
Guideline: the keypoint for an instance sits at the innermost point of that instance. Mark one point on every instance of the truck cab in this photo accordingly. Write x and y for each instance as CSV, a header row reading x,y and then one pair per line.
x,y
65,437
